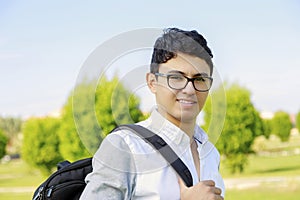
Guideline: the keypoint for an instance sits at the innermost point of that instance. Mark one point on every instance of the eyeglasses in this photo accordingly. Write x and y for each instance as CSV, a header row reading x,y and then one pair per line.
x,y
179,81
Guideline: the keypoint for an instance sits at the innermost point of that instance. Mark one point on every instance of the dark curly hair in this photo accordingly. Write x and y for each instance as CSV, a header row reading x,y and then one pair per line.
x,y
175,40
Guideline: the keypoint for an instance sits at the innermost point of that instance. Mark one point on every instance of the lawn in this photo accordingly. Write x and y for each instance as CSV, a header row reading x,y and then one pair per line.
x,y
263,194
14,196
262,166
16,173
18,181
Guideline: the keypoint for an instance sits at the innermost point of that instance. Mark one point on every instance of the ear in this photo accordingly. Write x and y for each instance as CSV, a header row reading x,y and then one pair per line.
x,y
151,82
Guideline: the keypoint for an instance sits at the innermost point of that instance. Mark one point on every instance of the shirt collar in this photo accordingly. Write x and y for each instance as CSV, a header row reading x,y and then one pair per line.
x,y
200,134
163,127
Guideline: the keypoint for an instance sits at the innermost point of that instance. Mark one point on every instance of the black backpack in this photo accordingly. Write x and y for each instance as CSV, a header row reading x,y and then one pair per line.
x,y
68,181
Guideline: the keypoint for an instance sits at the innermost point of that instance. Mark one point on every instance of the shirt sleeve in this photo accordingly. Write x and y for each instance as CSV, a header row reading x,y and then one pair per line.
x,y
113,175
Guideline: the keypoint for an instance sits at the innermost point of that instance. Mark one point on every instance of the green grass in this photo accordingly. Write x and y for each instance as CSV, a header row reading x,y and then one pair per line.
x,y
17,174
274,144
262,166
14,196
263,194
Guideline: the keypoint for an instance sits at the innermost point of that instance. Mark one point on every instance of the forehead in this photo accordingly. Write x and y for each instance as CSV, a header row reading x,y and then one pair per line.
x,y
187,64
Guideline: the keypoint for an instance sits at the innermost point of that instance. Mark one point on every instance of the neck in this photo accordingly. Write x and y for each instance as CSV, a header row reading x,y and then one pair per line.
x,y
186,126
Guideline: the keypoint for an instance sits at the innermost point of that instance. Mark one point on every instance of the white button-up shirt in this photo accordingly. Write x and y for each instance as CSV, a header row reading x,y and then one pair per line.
x,y
126,167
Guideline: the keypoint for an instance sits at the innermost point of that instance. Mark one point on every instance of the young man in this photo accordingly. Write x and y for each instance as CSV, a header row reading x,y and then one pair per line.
x,y
125,167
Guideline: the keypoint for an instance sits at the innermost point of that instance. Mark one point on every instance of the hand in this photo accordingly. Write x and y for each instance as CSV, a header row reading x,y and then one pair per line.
x,y
204,190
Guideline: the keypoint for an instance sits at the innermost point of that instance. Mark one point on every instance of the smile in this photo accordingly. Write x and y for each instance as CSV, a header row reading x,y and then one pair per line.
x,y
183,101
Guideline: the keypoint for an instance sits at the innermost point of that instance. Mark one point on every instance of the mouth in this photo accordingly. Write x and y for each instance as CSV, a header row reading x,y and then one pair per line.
x,y
186,101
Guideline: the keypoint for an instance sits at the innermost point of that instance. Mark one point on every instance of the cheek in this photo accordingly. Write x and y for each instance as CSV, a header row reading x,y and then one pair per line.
x,y
201,99
165,95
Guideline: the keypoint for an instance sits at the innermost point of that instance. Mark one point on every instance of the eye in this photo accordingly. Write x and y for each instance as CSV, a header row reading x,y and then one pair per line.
x,y
176,77
200,79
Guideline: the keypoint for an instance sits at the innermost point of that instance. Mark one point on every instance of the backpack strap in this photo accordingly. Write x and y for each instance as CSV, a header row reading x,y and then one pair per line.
x,y
164,149
63,164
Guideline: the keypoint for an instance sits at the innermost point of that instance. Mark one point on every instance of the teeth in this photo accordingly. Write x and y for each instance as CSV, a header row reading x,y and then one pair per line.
x,y
184,101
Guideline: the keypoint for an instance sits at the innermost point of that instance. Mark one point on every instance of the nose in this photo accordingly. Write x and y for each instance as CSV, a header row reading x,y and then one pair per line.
x,y
189,88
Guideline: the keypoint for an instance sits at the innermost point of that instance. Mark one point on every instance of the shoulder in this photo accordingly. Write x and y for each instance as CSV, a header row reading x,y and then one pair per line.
x,y
207,147
202,136
210,148
114,153
127,139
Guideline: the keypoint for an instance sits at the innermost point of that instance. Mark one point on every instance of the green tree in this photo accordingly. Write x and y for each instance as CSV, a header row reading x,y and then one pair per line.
x,y
115,105
91,112
71,145
242,125
3,143
11,127
281,125
267,124
40,143
298,121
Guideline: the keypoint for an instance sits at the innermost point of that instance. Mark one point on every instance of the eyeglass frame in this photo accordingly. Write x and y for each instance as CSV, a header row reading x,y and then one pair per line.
x,y
188,80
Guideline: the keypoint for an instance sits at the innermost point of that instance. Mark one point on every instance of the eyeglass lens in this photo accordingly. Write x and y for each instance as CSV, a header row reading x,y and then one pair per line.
x,y
179,82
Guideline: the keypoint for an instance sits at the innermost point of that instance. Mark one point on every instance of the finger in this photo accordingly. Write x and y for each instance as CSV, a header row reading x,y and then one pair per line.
x,y
181,184
208,182
217,191
219,197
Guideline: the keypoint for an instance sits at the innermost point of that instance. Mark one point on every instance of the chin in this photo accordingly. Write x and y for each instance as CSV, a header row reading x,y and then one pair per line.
x,y
188,119
191,117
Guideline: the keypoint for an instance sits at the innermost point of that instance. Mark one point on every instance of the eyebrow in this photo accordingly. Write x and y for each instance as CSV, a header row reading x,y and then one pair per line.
x,y
180,72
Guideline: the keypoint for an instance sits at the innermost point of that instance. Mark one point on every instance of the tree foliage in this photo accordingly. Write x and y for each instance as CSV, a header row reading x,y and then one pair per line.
x,y
91,112
88,115
115,105
242,125
281,125
267,127
71,146
3,142
11,127
298,121
40,144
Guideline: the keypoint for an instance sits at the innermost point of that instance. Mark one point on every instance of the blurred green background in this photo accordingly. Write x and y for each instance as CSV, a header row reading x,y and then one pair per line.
x,y
261,164
266,177
256,50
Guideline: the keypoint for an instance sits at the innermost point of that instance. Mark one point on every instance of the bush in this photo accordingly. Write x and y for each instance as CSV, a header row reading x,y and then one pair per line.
x,y
242,125
3,143
40,144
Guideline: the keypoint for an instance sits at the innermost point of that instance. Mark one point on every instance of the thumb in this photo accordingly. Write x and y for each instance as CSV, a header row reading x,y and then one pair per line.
x,y
182,185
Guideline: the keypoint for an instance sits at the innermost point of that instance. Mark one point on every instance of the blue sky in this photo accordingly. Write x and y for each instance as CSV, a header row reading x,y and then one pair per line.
x,y
43,45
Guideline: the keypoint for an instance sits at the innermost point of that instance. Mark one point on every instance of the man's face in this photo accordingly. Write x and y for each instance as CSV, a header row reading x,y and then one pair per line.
x,y
180,106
